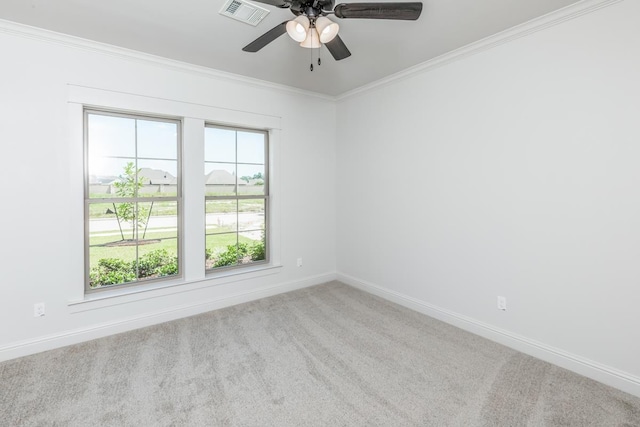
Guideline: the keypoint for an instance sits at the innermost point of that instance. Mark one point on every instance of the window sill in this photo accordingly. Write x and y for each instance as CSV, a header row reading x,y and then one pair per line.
x,y
113,297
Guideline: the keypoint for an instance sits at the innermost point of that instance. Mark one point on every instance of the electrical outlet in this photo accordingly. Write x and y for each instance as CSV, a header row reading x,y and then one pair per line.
x,y
502,303
38,309
300,262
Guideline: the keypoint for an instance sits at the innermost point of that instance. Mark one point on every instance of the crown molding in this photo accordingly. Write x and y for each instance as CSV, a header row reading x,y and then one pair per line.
x,y
47,36
522,30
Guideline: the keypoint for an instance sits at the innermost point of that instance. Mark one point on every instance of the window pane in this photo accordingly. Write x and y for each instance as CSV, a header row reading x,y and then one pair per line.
x,y
225,176
111,136
107,177
111,248
219,145
251,179
251,147
132,241
221,250
135,239
220,179
251,216
157,140
157,240
252,247
221,216
158,178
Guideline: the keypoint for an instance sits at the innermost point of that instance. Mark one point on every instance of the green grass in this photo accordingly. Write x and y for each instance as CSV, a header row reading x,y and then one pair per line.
x,y
167,241
97,196
219,242
101,240
215,243
99,210
168,208
228,206
212,228
128,253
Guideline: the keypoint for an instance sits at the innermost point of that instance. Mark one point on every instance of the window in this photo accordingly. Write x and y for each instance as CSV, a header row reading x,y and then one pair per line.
x,y
132,199
236,197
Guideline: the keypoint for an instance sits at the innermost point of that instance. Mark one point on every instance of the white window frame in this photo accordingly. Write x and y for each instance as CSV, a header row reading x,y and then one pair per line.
x,y
88,200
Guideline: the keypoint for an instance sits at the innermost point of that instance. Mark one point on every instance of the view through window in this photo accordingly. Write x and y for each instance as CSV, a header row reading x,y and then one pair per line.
x,y
236,197
132,198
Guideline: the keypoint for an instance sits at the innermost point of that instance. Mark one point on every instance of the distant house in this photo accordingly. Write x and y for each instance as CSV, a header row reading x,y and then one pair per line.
x,y
101,179
101,184
221,177
153,181
157,180
224,182
156,177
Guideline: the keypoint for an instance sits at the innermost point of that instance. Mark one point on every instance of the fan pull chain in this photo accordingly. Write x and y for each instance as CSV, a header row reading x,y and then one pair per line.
x,y
311,54
319,60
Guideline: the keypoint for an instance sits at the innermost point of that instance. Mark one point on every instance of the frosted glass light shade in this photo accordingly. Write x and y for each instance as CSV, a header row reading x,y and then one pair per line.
x,y
312,41
298,28
327,29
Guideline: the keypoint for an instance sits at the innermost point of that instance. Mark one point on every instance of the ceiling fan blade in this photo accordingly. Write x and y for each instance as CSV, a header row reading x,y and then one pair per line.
x,y
338,49
266,38
403,11
277,3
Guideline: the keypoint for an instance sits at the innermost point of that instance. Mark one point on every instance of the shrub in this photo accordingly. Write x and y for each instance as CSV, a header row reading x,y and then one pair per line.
x,y
149,263
231,255
168,269
242,252
104,278
113,264
112,271
258,251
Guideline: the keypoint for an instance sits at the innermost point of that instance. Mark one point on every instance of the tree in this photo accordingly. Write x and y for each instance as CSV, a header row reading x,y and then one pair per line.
x,y
128,185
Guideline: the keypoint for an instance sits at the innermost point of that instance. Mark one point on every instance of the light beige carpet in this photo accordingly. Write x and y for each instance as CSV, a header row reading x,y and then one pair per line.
x,y
329,355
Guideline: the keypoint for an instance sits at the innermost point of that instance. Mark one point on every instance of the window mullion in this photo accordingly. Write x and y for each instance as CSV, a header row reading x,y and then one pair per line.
x,y
194,216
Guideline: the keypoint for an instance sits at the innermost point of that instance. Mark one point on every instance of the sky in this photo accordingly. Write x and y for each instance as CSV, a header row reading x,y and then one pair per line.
x,y
113,141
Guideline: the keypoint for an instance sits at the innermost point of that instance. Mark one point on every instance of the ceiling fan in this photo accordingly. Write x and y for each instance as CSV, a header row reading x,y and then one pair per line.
x,y
312,28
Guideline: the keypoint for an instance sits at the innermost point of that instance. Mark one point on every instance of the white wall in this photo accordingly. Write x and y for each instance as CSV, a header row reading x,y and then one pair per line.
x,y
41,250
510,172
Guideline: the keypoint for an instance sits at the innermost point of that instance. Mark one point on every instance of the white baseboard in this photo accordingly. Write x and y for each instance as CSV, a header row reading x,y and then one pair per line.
x,y
75,336
588,368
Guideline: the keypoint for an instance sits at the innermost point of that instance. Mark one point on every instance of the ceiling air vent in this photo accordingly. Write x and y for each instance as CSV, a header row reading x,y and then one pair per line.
x,y
244,11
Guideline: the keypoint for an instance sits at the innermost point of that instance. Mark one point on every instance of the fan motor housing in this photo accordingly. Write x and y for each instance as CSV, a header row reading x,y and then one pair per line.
x,y
311,8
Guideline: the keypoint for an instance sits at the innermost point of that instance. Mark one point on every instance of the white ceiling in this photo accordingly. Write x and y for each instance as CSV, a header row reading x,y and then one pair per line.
x,y
192,31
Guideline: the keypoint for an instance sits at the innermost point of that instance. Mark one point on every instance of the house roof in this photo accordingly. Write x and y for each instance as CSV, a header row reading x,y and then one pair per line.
x,y
220,177
156,177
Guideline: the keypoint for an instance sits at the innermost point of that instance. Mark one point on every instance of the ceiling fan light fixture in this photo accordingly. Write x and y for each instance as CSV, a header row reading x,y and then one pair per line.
x,y
312,29
327,29
298,28
313,39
